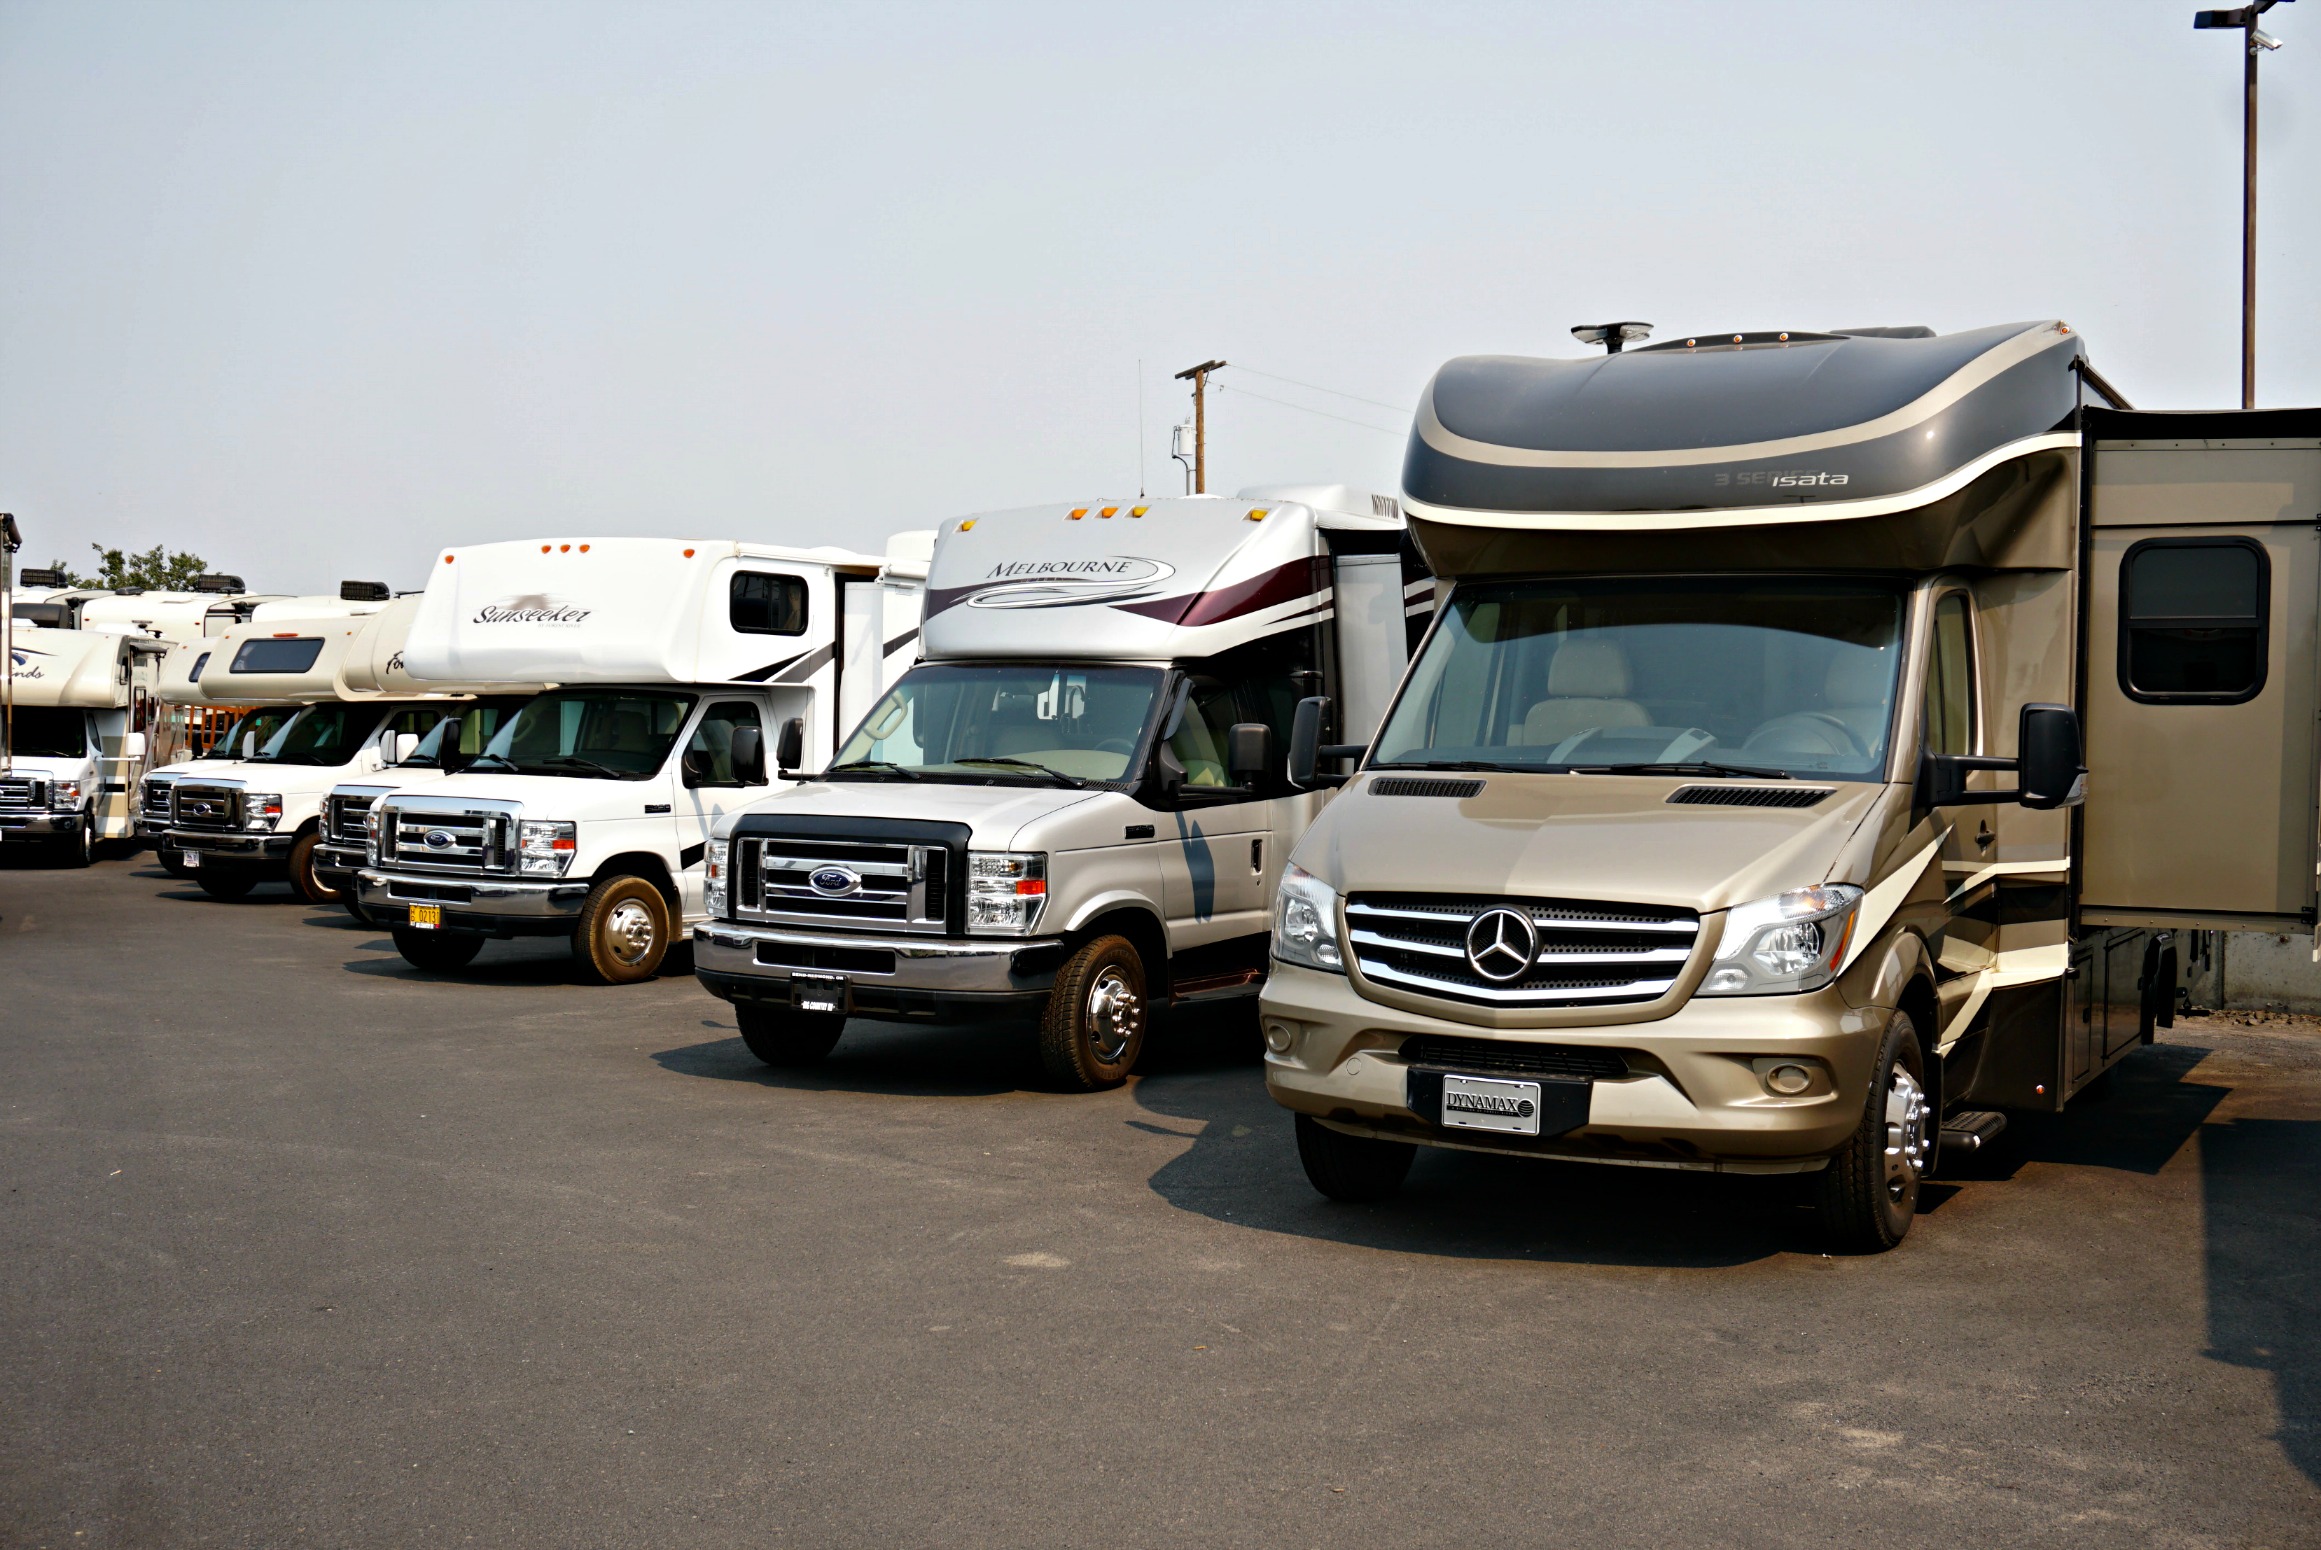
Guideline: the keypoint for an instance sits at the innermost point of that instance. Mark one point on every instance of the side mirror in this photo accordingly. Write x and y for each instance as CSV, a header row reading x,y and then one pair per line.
x,y
1249,748
749,755
1307,750
2047,740
447,751
2048,772
133,746
406,744
790,752
699,765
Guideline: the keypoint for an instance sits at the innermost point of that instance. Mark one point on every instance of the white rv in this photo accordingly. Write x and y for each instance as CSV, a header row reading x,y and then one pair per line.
x,y
72,746
255,816
1076,806
672,664
179,700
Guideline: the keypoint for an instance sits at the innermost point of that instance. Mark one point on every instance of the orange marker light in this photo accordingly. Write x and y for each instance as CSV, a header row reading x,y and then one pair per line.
x,y
447,559
967,525
544,548
584,548
1138,511
1109,511
689,554
564,548
1257,514
1028,886
1077,512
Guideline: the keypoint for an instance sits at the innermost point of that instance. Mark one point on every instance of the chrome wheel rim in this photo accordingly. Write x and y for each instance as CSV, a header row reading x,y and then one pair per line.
x,y
629,932
1114,1015
1906,1135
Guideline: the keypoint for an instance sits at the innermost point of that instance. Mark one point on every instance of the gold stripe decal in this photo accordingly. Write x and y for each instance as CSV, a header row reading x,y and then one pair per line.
x,y
1880,903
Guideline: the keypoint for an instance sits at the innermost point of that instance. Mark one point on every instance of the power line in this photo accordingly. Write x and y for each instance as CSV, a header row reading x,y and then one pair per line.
x,y
1382,430
1314,387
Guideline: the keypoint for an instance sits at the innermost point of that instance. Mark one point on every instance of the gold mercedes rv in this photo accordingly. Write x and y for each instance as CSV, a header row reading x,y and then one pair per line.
x,y
1821,741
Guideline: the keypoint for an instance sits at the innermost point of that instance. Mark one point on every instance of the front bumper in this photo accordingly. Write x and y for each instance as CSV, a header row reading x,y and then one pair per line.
x,y
893,977
494,906
1692,1098
231,847
336,865
37,826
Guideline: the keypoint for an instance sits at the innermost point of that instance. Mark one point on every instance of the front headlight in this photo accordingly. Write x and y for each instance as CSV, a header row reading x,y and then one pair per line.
x,y
713,877
545,848
1006,889
1791,942
261,809
1305,922
64,795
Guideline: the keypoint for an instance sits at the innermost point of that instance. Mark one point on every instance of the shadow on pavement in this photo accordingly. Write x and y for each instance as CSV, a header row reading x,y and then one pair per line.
x,y
2135,1118
977,1060
2261,1186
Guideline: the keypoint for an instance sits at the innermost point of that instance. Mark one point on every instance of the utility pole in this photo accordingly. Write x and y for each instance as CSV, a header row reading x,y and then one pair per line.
x,y
1199,377
2243,19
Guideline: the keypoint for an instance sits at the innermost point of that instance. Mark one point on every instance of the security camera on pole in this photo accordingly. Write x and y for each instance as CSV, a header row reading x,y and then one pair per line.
x,y
2244,19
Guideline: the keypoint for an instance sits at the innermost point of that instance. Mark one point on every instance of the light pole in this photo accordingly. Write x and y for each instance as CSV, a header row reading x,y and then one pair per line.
x,y
2243,19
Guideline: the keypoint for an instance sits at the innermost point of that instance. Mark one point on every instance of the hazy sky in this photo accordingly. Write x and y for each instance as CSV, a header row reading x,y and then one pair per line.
x,y
314,289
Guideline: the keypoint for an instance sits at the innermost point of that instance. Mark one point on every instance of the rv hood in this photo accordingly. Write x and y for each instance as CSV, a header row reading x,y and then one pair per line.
x,y
996,815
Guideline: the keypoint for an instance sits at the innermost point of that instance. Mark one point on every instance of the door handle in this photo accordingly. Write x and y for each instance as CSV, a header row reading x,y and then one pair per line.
x,y
1983,835
1257,855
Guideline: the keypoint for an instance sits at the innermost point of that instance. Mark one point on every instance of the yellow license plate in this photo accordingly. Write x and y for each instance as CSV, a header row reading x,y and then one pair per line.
x,y
427,917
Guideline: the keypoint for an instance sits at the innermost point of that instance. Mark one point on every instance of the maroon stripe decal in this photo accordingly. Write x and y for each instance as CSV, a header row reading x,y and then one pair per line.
x,y
1282,584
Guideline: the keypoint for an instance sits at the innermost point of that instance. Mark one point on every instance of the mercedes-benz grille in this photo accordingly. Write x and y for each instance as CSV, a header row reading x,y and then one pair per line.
x,y
1519,952
816,882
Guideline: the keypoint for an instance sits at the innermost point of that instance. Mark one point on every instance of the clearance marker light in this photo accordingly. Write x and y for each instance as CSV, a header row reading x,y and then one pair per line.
x,y
1076,513
1109,511
544,548
1257,514
967,526
689,554
447,558
564,548
584,548
1138,511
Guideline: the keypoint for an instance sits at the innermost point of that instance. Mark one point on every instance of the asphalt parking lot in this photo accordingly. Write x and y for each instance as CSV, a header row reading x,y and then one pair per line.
x,y
305,1247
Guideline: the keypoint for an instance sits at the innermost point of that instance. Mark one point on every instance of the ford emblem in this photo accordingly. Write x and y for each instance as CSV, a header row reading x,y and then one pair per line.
x,y
439,839
834,881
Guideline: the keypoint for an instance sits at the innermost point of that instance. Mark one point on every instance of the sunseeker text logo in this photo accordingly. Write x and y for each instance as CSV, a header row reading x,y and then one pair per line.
x,y
1068,583
532,608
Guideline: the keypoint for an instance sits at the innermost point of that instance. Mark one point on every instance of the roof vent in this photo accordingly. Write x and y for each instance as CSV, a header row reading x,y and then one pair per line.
x,y
1612,335
1406,786
363,592
36,576
219,583
1749,796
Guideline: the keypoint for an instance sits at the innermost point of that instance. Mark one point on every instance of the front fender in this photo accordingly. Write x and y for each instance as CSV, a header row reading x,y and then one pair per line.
x,y
1108,901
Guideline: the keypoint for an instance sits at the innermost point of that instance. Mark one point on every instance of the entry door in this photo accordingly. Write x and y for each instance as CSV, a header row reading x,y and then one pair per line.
x,y
2202,584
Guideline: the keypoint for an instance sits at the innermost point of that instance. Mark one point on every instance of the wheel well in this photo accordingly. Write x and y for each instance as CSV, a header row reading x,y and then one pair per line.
x,y
1925,1009
1144,934
644,864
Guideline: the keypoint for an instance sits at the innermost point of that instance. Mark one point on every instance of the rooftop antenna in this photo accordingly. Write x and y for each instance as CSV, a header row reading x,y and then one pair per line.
x,y
1612,335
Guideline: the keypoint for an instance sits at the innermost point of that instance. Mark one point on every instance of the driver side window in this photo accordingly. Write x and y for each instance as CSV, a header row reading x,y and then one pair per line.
x,y
1950,679
714,737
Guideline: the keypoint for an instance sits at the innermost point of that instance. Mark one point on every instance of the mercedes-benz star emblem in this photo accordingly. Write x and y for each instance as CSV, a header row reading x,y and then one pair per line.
x,y
833,880
1501,945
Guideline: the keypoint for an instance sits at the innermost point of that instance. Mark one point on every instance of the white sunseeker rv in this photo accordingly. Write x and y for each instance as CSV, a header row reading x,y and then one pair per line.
x,y
74,743
1075,806
672,663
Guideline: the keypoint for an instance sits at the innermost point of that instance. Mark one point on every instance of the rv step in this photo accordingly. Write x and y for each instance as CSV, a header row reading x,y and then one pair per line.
x,y
1972,1129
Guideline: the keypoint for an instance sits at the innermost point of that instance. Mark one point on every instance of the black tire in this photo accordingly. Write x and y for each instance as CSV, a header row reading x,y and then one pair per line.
x,y
623,932
303,882
79,848
171,859
1355,1169
780,1036
1868,1194
1093,1027
225,885
438,952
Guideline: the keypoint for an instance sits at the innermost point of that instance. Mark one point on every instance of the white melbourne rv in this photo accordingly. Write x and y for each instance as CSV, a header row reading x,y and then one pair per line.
x,y
1076,805
179,696
673,662
255,816
72,746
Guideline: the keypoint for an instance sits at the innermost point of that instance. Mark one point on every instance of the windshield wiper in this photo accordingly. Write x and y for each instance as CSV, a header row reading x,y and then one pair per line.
x,y
1452,764
574,761
1071,782
885,766
1743,771
477,762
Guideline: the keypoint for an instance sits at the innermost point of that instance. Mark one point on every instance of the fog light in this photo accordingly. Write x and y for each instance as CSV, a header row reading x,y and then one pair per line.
x,y
1788,1080
1279,1038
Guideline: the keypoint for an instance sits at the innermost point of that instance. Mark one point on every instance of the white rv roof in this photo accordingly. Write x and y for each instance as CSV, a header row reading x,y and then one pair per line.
x,y
278,661
84,668
1144,581
596,610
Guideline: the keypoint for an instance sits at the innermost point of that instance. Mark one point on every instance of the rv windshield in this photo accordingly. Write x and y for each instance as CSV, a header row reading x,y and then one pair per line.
x,y
596,734
479,721
261,724
1761,676
322,734
50,732
1004,723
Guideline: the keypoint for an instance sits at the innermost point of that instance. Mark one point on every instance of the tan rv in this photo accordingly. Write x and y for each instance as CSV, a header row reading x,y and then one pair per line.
x,y
1734,815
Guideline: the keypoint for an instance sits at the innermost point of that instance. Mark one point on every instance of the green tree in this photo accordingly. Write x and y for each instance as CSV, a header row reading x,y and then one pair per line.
x,y
156,569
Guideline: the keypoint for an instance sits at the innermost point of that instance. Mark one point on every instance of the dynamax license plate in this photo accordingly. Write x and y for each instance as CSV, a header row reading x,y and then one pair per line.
x,y
1488,1103
818,992
426,917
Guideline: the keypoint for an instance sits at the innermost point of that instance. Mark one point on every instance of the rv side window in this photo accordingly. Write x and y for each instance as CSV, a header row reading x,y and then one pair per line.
x,y
1950,679
765,604
277,654
199,663
2192,620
